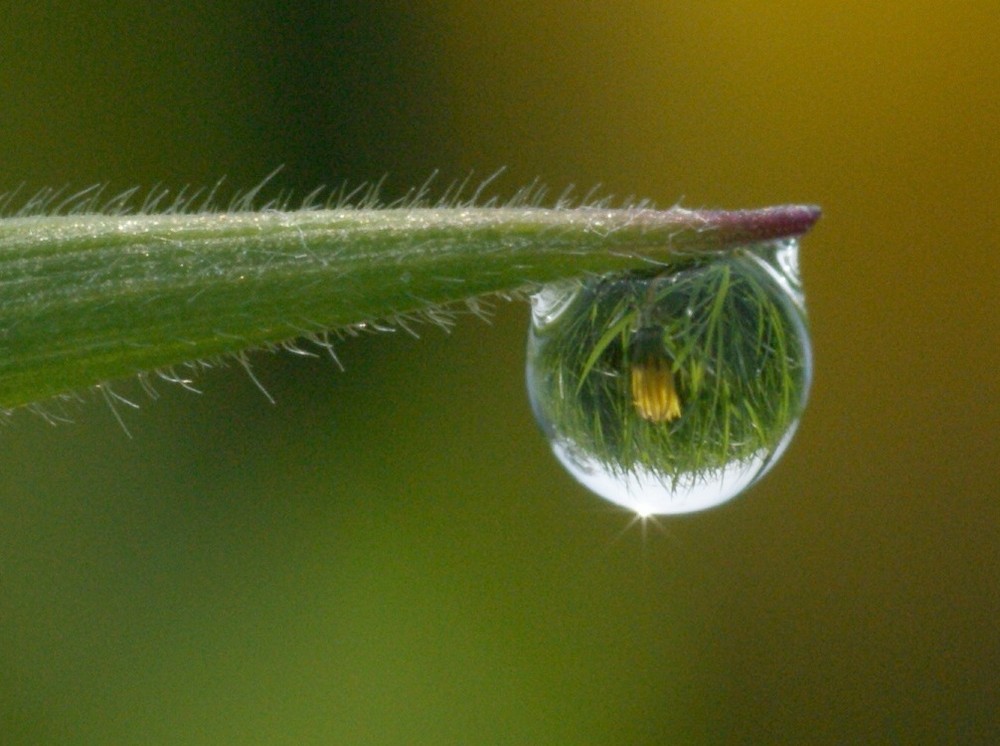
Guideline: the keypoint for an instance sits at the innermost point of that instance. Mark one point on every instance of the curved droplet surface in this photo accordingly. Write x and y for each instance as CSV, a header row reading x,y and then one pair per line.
x,y
673,391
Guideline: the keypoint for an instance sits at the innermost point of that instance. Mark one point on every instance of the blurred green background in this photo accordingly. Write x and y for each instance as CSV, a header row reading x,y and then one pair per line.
x,y
391,554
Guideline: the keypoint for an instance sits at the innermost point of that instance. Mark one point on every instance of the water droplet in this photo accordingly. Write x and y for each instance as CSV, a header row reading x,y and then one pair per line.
x,y
670,391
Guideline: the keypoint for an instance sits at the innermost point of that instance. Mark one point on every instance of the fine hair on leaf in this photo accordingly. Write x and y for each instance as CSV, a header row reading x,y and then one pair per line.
x,y
159,284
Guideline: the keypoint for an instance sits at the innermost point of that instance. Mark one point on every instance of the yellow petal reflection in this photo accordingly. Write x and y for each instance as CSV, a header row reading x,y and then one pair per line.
x,y
653,391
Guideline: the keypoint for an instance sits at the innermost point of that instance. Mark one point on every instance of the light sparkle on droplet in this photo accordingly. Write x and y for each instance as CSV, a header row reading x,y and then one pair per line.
x,y
673,392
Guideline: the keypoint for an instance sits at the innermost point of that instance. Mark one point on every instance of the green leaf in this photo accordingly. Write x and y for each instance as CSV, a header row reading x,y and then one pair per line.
x,y
87,298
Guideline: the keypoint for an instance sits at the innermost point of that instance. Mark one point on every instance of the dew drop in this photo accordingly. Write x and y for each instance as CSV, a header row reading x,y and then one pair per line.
x,y
673,391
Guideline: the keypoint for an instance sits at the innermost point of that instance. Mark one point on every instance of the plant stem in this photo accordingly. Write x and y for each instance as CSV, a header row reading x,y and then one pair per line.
x,y
88,298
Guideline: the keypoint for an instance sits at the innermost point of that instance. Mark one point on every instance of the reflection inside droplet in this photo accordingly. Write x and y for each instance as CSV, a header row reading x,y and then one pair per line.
x,y
646,491
671,392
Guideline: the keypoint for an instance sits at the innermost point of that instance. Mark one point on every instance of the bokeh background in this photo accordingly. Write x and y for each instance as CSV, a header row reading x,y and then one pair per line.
x,y
390,554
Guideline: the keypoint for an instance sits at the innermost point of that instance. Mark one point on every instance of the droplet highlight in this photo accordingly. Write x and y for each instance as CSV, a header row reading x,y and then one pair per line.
x,y
671,391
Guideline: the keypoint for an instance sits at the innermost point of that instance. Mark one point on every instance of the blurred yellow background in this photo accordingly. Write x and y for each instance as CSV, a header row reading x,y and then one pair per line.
x,y
391,554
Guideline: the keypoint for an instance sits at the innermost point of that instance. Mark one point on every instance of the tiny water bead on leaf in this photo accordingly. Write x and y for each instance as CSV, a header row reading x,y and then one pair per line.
x,y
672,390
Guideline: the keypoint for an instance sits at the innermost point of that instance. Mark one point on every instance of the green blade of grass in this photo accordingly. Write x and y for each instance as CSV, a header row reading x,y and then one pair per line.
x,y
86,298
